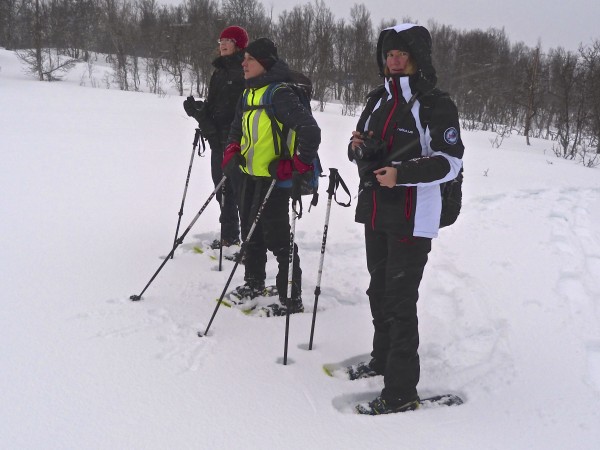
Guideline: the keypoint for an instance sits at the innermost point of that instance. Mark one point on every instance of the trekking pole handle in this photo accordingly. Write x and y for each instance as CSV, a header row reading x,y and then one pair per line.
x,y
196,138
333,180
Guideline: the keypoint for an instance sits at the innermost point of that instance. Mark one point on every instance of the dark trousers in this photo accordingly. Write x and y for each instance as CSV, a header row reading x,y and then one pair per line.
x,y
396,265
272,233
230,223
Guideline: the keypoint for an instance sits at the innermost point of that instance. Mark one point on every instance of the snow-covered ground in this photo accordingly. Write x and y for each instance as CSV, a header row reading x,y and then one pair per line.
x,y
91,181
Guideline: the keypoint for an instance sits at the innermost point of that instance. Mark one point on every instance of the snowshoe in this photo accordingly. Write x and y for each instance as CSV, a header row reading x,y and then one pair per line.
x,y
381,406
278,309
353,372
243,296
230,249
216,244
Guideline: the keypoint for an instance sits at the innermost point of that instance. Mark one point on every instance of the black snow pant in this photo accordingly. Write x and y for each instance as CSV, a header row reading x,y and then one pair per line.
x,y
230,223
272,233
396,263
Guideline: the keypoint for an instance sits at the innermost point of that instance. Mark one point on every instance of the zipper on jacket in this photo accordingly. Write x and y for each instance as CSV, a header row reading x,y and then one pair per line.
x,y
387,122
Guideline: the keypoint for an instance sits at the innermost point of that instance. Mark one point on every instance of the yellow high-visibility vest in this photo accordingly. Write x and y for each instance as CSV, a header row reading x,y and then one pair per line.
x,y
261,144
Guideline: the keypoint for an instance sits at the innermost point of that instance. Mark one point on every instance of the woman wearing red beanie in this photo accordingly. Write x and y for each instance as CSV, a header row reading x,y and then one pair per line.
x,y
214,117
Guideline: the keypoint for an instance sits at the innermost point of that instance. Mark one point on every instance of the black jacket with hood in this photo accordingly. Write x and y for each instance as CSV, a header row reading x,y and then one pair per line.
x,y
418,128
224,89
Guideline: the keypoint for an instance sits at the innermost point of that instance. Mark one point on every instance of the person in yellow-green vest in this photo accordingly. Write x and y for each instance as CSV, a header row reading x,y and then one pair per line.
x,y
256,149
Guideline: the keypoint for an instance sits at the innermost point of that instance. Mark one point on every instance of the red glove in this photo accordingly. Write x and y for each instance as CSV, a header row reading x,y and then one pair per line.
x,y
230,153
285,168
301,167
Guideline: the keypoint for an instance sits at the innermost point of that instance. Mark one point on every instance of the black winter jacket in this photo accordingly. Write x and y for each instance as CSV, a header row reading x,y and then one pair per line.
x,y
423,143
287,109
224,89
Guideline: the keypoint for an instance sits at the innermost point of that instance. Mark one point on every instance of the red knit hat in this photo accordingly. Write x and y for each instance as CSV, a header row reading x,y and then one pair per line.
x,y
236,34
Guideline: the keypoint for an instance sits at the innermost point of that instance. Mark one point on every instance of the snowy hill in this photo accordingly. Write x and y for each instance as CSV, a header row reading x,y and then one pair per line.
x,y
91,183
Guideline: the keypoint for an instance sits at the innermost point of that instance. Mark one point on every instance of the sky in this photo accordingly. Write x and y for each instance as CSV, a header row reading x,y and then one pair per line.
x,y
92,182
554,24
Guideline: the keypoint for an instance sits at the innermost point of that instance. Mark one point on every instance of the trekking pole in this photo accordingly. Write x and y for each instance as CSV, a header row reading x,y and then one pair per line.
x,y
239,258
288,295
289,286
221,246
187,182
334,181
178,241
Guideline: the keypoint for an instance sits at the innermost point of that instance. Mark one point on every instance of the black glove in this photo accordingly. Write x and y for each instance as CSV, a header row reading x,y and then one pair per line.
x,y
232,159
192,106
232,168
197,110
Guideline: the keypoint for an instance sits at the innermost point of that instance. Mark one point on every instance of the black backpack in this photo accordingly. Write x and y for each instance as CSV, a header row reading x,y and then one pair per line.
x,y
451,200
451,191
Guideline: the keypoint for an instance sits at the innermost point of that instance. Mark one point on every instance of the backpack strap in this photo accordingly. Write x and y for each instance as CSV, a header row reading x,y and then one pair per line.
x,y
428,102
372,98
280,149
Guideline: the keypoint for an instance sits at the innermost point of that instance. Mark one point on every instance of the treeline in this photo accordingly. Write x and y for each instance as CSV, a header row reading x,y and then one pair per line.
x,y
497,85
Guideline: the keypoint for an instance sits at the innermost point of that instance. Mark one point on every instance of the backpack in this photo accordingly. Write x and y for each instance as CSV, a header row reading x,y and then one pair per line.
x,y
301,85
451,191
451,200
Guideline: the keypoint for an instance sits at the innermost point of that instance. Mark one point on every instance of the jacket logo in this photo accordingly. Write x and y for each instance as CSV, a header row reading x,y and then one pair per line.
x,y
404,130
451,135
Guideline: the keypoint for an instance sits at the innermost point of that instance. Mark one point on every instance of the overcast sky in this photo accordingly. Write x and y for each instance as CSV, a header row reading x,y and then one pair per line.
x,y
554,23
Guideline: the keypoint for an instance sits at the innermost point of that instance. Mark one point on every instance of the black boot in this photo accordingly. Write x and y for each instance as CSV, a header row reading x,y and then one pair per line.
x,y
381,406
280,309
246,292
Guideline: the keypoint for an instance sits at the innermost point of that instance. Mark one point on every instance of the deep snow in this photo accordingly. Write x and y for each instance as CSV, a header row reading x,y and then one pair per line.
x,y
91,183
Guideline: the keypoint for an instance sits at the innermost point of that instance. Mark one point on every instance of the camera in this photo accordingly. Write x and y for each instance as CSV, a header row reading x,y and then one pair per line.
x,y
370,150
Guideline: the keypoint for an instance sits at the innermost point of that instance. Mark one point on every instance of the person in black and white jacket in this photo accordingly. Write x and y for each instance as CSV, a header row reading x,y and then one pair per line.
x,y
407,142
